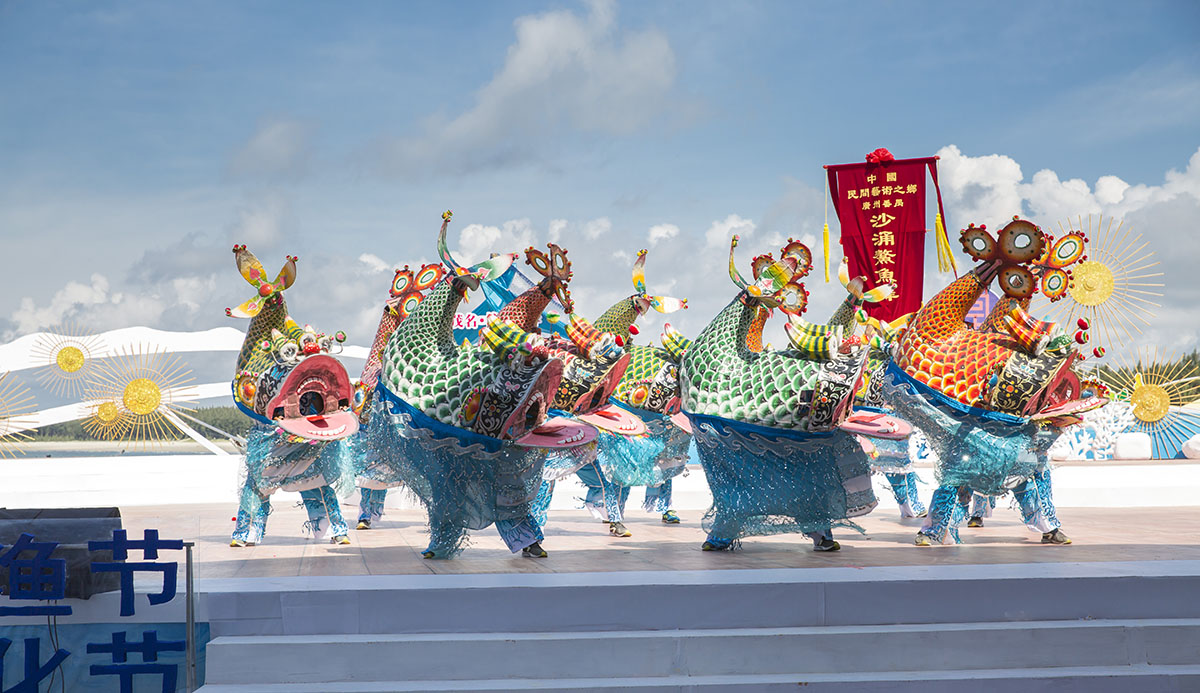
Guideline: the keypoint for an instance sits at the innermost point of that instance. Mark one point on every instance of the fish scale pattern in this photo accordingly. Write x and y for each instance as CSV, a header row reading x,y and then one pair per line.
x,y
723,377
272,317
939,351
618,318
525,311
422,365
648,365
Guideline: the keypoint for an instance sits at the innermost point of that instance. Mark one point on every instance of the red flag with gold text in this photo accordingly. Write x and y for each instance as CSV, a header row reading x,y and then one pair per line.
x,y
881,207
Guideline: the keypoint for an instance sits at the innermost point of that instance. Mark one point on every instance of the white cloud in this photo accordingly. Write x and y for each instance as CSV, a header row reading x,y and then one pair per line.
x,y
721,231
597,228
662,232
374,262
278,149
557,226
477,242
564,72
979,190
30,317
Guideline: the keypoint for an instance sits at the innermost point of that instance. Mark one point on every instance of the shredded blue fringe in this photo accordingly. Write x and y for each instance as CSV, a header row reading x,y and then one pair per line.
x,y
646,460
773,481
463,483
990,454
277,460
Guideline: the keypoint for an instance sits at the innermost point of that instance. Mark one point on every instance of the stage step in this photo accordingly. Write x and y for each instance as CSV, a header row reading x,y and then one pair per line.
x,y
693,600
1118,679
702,653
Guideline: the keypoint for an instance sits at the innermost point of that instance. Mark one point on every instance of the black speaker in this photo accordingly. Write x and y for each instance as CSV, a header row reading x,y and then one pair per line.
x,y
72,528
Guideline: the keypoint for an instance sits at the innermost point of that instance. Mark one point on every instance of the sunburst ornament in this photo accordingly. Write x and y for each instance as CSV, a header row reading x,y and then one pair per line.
x,y
107,421
69,357
1113,288
16,406
1160,387
136,395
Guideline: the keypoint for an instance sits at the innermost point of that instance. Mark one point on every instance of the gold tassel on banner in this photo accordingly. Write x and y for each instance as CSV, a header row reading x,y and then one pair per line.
x,y
825,233
825,245
945,255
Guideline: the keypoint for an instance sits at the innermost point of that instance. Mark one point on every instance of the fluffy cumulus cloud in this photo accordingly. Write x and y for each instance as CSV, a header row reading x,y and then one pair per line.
x,y
565,72
661,232
719,233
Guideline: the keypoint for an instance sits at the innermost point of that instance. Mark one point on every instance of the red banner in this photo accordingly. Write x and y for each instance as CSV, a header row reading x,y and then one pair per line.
x,y
881,207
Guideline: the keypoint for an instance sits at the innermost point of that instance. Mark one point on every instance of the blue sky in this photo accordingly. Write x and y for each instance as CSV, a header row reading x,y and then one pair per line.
x,y
140,140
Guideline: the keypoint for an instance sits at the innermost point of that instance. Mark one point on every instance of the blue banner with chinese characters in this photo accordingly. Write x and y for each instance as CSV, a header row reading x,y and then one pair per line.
x,y
491,297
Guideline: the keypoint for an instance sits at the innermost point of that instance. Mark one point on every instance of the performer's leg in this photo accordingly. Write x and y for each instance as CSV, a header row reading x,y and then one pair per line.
x,y
658,499
823,540
913,482
370,506
251,517
981,507
522,535
540,510
315,507
604,498
1036,501
947,508
333,510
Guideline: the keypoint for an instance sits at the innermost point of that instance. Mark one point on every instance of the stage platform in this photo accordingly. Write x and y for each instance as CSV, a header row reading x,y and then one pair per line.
x,y
578,543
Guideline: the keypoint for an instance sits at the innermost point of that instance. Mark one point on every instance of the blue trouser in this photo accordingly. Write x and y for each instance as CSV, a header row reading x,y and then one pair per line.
x,y
370,503
321,503
658,498
904,488
948,507
252,515
1036,501
604,498
982,506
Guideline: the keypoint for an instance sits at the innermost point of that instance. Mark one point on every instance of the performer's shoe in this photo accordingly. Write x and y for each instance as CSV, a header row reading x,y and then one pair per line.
x,y
618,530
922,540
534,550
975,522
237,543
670,518
709,546
363,524
428,554
341,540
1055,537
827,544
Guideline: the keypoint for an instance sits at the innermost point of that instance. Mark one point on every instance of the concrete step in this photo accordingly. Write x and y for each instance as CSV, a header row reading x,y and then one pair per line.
x,y
1111,679
703,599
722,652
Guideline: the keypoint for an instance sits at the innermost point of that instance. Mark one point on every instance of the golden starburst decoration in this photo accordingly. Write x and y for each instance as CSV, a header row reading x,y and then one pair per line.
x,y
16,406
1113,288
69,357
1160,387
136,394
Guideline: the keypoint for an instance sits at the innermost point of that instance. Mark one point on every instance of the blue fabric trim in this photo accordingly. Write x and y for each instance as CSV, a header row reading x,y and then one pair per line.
x,y
437,428
877,410
254,415
723,424
936,398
